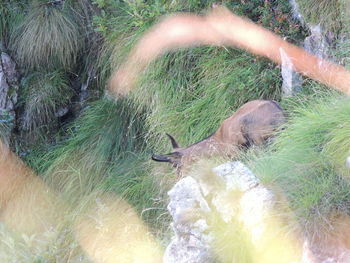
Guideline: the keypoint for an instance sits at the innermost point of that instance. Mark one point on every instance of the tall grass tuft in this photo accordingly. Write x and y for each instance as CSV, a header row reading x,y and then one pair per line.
x,y
42,96
47,38
343,48
11,14
105,134
84,11
306,163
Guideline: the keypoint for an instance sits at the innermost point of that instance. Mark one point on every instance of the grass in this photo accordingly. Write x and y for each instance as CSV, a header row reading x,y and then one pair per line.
x,y
306,163
84,11
43,94
143,189
343,45
89,172
333,16
186,93
200,86
209,91
106,139
11,14
324,12
30,248
53,36
105,154
4,132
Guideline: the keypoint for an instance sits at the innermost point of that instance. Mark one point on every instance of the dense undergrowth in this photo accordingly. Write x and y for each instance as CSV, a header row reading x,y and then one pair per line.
x,y
307,161
106,146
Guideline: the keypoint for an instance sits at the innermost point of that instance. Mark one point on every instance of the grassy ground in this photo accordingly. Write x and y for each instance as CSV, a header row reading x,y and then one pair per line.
x,y
326,13
186,93
307,162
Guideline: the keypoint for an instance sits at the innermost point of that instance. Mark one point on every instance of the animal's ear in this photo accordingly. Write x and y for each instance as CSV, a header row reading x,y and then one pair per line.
x,y
173,141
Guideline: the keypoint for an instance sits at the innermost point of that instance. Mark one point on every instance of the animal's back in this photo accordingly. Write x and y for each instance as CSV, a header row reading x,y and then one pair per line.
x,y
252,123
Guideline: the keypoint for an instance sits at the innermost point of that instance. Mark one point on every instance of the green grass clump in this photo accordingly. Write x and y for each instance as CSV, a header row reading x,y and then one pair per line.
x,y
43,94
307,162
23,248
106,131
343,45
134,180
47,38
4,131
106,153
105,136
197,89
11,14
188,93
323,12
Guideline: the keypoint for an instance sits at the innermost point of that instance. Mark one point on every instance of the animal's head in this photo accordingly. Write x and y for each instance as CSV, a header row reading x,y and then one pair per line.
x,y
174,158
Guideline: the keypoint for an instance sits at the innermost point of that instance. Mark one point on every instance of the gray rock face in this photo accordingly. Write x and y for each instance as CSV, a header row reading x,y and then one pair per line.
x,y
291,79
191,200
8,89
187,206
318,43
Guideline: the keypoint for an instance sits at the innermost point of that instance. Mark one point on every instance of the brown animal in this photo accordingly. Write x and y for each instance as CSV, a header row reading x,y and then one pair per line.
x,y
252,123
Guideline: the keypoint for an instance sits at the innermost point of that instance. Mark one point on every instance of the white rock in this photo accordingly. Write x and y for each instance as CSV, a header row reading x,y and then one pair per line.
x,y
291,79
190,243
236,176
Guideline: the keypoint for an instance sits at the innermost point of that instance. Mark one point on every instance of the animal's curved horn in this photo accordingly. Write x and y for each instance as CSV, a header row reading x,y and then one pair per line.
x,y
160,158
173,141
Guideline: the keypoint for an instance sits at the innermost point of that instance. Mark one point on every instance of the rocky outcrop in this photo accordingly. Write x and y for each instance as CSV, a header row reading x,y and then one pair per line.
x,y
192,200
234,194
291,79
318,43
8,89
191,242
